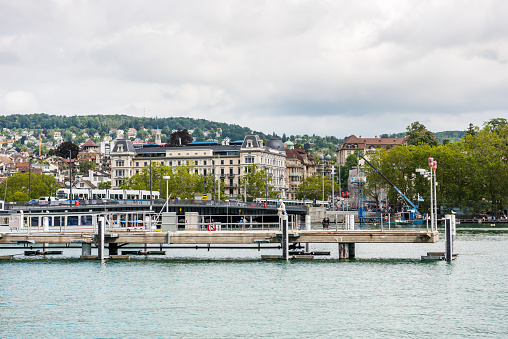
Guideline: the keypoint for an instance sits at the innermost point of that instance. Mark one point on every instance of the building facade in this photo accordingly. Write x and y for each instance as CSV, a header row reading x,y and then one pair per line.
x,y
299,165
227,161
354,144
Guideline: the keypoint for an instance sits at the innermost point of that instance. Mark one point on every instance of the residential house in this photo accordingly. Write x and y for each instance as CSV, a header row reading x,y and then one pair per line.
x,y
299,165
354,145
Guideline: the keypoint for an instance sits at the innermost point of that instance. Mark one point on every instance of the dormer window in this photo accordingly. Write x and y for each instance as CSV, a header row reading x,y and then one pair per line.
x,y
249,143
355,146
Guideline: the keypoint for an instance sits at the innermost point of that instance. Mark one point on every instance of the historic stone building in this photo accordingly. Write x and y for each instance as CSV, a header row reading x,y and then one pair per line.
x,y
354,144
228,161
299,166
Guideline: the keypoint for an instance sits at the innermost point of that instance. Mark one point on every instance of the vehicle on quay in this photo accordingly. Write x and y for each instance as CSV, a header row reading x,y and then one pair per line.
x,y
98,194
49,201
108,201
33,202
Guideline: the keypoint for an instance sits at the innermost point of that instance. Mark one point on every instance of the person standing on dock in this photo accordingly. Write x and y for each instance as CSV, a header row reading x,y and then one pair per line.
x,y
326,223
281,210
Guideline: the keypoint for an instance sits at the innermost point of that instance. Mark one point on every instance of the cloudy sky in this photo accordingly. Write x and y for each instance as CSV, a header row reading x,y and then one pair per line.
x,y
325,67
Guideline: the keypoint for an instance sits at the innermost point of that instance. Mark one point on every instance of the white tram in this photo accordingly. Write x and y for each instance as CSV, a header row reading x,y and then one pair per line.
x,y
96,194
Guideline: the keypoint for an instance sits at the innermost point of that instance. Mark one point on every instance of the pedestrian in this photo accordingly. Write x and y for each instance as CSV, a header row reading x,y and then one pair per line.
x,y
326,223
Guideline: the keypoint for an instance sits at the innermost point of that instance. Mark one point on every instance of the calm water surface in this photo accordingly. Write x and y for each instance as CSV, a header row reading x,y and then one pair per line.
x,y
386,292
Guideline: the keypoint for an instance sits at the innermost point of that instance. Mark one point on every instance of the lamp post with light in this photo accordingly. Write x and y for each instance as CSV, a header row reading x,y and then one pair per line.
x,y
167,177
431,176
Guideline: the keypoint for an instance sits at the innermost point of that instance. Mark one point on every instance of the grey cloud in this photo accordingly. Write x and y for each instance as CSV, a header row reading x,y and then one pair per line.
x,y
250,60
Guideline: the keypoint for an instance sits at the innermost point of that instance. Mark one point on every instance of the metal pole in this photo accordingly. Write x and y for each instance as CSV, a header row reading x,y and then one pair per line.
x,y
435,197
167,177
29,178
303,184
285,237
151,197
70,178
266,185
333,188
100,238
431,202
323,186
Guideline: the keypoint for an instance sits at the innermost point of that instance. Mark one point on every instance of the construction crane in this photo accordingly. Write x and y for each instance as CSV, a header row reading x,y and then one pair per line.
x,y
391,184
6,142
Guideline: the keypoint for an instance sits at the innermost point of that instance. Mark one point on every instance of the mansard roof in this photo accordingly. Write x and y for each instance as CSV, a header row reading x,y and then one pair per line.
x,y
125,144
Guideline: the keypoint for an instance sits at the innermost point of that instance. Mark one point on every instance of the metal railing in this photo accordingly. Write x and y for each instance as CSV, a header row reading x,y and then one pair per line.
x,y
17,205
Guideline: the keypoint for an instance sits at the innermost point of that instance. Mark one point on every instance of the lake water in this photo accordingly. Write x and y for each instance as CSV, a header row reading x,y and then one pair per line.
x,y
387,291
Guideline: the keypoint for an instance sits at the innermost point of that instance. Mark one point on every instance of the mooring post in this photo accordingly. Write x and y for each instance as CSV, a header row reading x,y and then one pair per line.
x,y
113,248
449,236
343,250
45,228
352,250
307,228
350,222
100,238
86,249
347,250
283,219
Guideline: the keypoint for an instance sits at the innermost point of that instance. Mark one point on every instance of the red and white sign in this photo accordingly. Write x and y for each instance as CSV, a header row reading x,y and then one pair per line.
x,y
212,227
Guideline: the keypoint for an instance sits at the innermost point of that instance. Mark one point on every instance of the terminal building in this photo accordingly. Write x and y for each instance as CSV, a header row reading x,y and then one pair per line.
x,y
228,161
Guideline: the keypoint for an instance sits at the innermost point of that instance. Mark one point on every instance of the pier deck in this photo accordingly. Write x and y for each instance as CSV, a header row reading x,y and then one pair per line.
x,y
224,237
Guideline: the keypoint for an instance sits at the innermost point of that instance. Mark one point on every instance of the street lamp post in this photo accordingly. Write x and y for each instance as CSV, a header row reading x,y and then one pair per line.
x,y
70,178
167,177
333,186
151,196
29,178
431,176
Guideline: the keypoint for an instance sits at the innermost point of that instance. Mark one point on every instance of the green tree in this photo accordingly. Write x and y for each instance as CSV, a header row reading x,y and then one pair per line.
x,y
184,182
489,167
419,134
105,185
257,183
316,186
351,162
85,166
16,187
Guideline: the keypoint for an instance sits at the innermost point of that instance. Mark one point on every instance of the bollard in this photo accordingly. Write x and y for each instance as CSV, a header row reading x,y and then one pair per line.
x,y
86,249
45,228
307,228
343,250
113,248
285,237
100,238
352,250
449,236
350,222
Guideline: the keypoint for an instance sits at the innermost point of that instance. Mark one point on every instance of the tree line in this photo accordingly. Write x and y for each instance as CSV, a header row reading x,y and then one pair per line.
x,y
102,124
472,174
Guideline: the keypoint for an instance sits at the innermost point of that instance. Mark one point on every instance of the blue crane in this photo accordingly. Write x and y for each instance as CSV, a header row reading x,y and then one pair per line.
x,y
394,187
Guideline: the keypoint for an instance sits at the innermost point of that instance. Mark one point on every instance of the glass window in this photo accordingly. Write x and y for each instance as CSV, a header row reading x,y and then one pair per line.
x,y
72,220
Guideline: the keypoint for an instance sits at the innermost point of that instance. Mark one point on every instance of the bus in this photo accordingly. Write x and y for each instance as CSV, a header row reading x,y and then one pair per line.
x,y
115,194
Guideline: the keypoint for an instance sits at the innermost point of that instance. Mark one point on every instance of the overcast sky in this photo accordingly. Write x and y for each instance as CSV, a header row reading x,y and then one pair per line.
x,y
325,67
